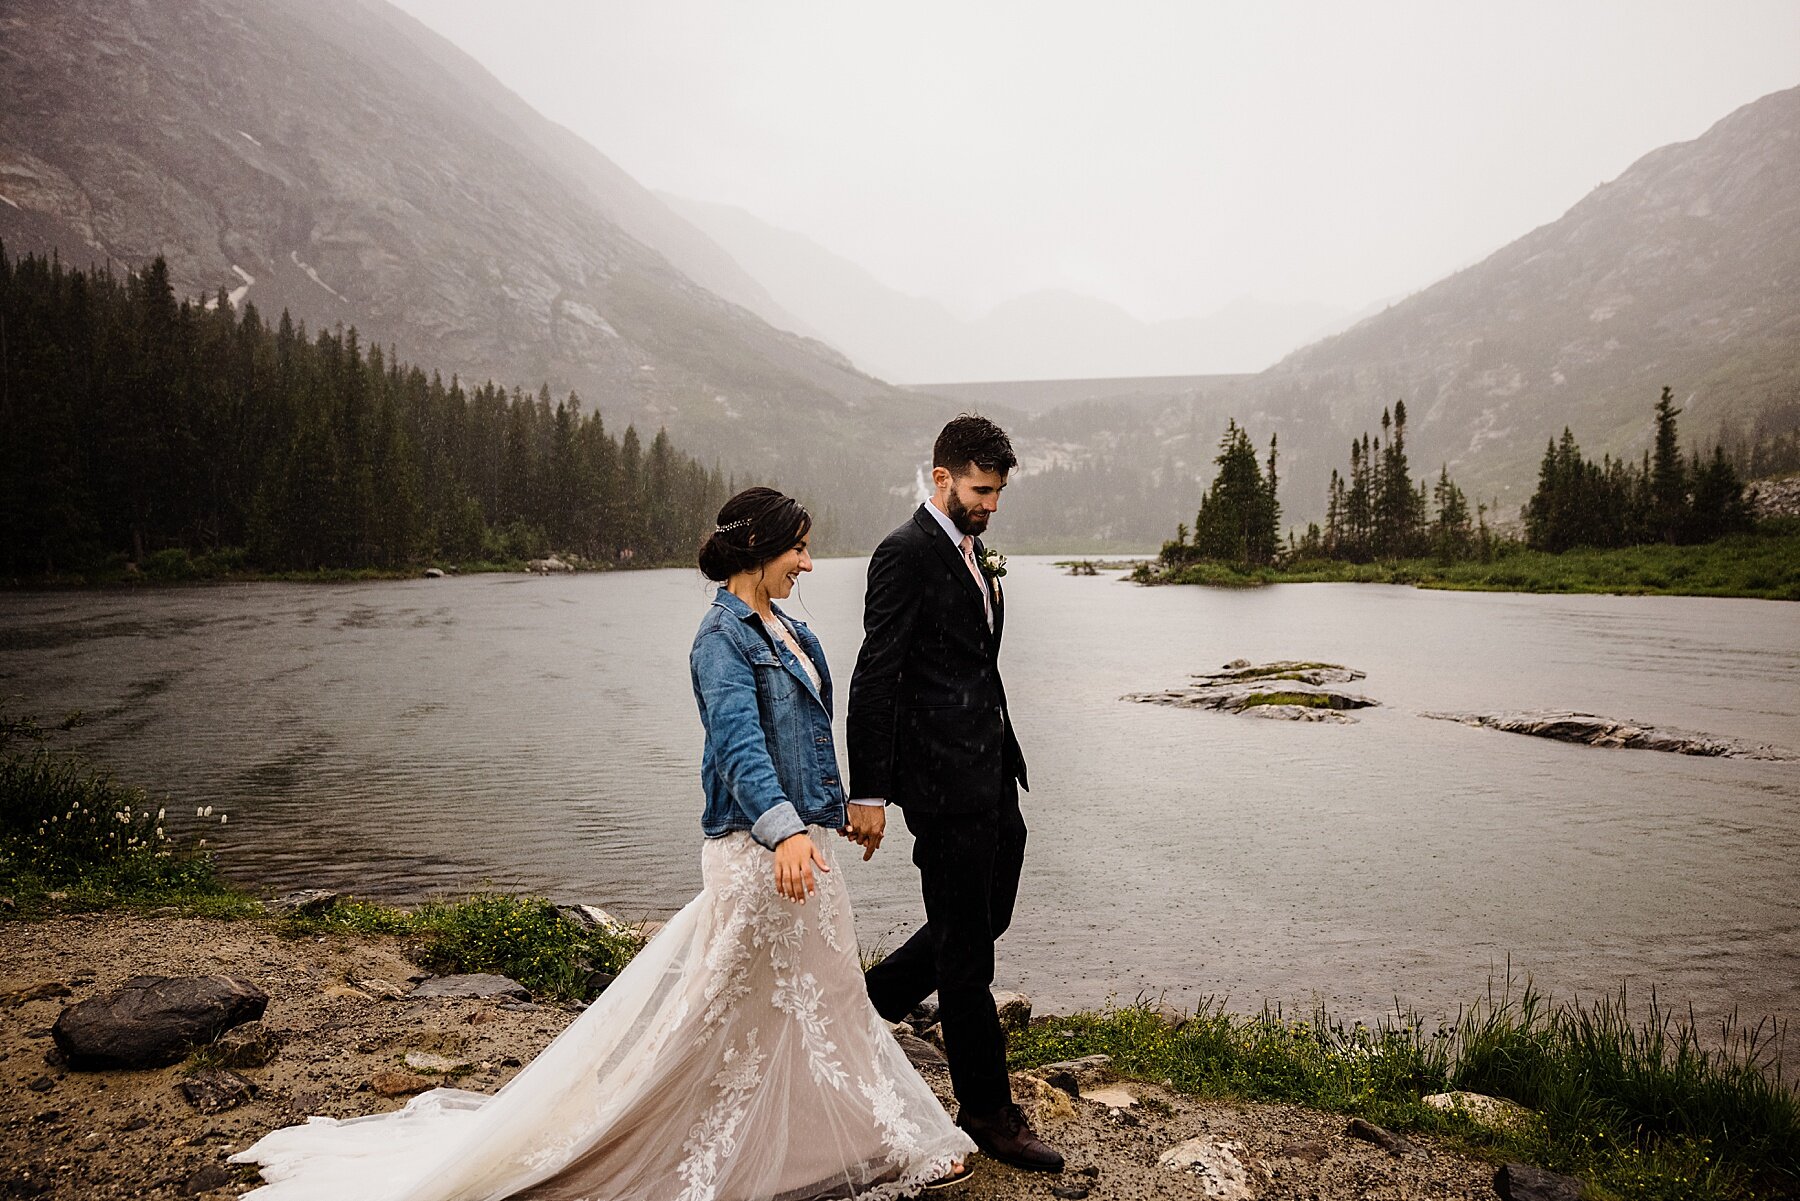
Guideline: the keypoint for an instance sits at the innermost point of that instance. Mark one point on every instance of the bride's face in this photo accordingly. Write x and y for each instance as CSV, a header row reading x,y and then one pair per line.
x,y
780,574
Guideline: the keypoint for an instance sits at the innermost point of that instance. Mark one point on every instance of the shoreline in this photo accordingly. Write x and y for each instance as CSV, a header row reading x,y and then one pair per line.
x,y
122,1133
340,1012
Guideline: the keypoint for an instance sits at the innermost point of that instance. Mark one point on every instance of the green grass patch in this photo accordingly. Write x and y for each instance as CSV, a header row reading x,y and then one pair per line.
x,y
1638,1109
1308,700
525,938
72,838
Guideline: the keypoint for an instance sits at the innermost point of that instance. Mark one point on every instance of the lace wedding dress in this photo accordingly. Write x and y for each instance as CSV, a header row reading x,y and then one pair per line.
x,y
737,1058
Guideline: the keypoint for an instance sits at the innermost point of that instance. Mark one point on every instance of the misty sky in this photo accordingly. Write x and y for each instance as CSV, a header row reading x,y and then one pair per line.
x,y
1168,157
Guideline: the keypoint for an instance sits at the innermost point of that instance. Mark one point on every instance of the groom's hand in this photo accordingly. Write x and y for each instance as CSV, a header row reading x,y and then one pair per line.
x,y
867,824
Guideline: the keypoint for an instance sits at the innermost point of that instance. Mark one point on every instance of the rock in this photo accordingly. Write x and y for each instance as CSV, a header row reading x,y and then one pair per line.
x,y
478,985
389,1083
308,902
344,990
216,1090
1308,1150
1387,1140
1256,689
248,1046
547,566
37,992
1014,1009
92,1142
27,1180
208,1178
1216,1163
375,987
933,1034
47,1117
441,1065
1113,1096
921,1053
42,1084
1041,1101
592,917
434,573
1071,1192
1494,1112
155,1020
1589,729
1522,1182
1074,1075
924,1014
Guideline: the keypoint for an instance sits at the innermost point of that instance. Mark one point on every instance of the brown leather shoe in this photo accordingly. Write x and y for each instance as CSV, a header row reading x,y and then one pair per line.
x,y
1005,1135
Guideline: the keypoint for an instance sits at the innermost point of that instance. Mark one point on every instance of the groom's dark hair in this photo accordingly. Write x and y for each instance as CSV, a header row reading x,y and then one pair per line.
x,y
971,439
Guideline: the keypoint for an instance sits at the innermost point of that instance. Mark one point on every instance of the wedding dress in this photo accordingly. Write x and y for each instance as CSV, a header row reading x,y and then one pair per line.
x,y
737,1058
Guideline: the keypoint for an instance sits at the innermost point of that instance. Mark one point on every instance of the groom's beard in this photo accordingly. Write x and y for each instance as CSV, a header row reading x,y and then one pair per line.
x,y
969,521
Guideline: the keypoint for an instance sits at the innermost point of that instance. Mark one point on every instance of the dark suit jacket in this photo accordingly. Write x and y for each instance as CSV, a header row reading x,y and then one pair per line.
x,y
928,726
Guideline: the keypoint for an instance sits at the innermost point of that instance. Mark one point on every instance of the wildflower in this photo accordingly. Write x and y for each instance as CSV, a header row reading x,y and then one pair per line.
x,y
208,812
159,832
223,817
199,812
159,814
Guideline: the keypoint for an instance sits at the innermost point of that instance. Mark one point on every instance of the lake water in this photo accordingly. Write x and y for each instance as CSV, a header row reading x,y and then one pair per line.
x,y
417,738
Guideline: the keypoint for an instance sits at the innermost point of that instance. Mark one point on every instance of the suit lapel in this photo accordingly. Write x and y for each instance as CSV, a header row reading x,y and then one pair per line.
x,y
952,556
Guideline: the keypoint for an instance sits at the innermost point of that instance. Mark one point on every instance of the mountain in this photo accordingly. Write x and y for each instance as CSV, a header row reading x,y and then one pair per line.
x,y
1684,271
337,159
1050,334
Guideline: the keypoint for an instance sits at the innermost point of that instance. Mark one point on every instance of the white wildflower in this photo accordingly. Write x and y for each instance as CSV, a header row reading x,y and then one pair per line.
x,y
208,812
159,814
222,818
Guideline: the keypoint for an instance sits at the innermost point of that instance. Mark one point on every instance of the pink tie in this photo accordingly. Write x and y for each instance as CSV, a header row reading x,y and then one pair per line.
x,y
968,552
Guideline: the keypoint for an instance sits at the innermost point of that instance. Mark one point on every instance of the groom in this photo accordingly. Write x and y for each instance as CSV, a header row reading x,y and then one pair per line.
x,y
929,731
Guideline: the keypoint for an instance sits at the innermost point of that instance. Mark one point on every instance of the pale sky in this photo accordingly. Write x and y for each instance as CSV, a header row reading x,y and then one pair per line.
x,y
1167,157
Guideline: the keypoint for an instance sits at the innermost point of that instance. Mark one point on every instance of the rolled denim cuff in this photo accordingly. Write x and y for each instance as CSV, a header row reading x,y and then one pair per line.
x,y
780,822
872,802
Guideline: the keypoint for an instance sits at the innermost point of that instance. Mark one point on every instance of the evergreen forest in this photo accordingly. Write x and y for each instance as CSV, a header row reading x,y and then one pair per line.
x,y
138,428
1376,512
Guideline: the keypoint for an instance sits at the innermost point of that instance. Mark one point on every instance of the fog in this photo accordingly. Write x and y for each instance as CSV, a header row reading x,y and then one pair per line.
x,y
1167,158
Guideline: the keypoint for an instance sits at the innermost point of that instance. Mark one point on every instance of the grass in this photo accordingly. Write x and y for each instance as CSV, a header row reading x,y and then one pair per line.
x,y
1638,1110
1307,700
1764,564
73,838
525,938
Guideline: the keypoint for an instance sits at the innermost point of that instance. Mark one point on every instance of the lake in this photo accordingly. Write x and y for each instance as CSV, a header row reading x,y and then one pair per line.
x,y
419,738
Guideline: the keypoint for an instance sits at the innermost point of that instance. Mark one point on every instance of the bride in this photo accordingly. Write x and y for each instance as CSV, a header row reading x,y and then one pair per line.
x,y
737,1058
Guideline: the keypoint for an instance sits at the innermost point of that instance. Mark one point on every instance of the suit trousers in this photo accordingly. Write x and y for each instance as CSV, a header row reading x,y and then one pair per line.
x,y
969,866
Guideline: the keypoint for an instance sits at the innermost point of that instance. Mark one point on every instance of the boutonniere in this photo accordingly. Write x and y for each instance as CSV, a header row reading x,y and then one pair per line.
x,y
993,563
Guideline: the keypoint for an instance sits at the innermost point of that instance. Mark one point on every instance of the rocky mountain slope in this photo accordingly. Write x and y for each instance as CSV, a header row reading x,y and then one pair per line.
x,y
335,158
1684,271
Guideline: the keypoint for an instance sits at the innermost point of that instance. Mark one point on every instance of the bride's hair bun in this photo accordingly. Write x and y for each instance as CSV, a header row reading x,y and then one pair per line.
x,y
755,526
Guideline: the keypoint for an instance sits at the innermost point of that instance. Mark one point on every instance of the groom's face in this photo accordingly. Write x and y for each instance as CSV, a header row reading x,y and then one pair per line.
x,y
969,499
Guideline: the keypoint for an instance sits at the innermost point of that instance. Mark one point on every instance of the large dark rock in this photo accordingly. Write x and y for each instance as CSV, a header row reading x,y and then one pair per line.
x,y
154,1020
1590,729
1522,1182
1287,689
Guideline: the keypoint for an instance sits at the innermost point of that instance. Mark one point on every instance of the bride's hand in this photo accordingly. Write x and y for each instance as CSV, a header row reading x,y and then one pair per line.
x,y
795,859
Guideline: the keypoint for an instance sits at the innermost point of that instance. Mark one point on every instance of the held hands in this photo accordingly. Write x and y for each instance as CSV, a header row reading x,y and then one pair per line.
x,y
866,825
795,858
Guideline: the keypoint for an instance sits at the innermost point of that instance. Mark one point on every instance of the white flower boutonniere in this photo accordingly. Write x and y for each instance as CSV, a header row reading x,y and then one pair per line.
x,y
993,563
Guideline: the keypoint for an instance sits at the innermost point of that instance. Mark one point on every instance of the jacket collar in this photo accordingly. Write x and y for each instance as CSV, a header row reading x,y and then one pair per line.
x,y
734,605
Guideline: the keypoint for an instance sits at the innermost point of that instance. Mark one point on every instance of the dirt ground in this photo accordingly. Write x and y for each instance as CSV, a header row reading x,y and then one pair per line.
x,y
94,1136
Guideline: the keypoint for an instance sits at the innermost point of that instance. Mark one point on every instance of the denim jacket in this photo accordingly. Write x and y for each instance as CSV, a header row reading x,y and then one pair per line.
x,y
770,765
